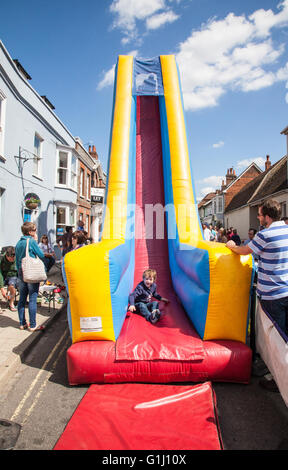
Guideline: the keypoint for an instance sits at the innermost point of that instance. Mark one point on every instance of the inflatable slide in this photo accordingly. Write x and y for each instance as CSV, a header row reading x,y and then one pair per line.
x,y
151,221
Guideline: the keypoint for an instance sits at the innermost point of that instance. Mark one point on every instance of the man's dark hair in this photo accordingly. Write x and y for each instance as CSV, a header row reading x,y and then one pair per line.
x,y
10,251
272,208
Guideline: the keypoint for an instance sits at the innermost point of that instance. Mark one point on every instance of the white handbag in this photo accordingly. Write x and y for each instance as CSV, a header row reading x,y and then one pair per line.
x,y
33,268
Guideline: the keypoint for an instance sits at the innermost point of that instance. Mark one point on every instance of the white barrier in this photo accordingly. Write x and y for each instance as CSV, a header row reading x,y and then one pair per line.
x,y
273,348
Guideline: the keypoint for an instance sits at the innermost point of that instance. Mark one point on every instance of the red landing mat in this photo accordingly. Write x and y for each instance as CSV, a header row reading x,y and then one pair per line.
x,y
144,417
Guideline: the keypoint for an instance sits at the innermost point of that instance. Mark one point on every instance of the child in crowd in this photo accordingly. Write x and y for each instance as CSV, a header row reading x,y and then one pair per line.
x,y
140,299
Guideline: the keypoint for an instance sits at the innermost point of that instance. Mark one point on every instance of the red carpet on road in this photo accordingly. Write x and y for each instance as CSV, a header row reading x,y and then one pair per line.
x,y
144,417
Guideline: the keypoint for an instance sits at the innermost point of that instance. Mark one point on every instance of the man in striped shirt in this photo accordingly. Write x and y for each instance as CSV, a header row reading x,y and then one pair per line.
x,y
271,245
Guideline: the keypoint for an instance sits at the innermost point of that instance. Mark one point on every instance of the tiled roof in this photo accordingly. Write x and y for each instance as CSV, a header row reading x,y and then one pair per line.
x,y
206,199
275,180
267,183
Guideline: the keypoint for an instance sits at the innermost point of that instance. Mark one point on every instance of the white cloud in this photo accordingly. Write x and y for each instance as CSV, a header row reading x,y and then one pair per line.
x,y
156,21
108,78
209,184
231,53
128,13
212,180
206,190
264,20
242,164
218,144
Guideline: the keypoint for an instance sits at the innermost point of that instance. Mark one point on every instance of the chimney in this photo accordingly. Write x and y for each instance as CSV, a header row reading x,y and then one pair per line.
x,y
223,186
93,152
267,163
230,176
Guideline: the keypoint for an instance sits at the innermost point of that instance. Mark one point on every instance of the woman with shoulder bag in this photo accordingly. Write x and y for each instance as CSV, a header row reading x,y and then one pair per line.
x,y
27,248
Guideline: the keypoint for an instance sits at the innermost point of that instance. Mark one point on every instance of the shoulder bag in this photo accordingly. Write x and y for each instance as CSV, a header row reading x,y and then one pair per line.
x,y
33,268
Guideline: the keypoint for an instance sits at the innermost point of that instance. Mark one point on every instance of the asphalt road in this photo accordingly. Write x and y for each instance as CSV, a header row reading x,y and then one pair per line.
x,y
40,400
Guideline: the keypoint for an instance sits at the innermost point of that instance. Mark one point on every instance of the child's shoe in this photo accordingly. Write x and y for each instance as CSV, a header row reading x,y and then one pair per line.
x,y
155,315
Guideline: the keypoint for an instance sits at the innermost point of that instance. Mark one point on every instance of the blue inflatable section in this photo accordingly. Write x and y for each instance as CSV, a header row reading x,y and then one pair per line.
x,y
147,77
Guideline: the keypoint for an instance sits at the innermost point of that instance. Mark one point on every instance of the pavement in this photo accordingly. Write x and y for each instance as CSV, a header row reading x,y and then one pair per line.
x,y
15,343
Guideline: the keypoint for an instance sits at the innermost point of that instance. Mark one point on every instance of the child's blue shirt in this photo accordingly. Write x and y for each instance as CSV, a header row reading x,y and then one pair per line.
x,y
142,293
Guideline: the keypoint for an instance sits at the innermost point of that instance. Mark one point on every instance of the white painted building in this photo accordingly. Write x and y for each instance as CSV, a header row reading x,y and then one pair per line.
x,y
37,155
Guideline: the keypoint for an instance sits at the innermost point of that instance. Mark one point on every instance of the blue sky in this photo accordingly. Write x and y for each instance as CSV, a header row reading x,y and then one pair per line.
x,y
232,56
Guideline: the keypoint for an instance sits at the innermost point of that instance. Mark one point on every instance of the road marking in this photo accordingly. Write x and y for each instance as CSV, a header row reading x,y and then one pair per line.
x,y
43,385
42,370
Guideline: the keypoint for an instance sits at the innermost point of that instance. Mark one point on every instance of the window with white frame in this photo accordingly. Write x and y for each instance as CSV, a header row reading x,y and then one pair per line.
x,y
67,169
65,215
88,191
82,182
2,121
62,172
220,204
37,160
74,172
72,214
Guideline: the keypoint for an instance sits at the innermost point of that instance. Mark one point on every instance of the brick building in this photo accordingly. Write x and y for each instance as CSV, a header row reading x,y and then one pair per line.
x,y
234,184
98,185
211,209
85,169
242,210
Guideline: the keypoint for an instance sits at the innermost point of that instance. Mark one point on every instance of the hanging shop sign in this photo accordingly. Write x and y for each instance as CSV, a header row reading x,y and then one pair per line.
x,y
97,194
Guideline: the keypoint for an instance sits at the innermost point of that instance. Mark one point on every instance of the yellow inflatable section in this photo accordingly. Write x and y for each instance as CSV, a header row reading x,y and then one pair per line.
x,y
87,271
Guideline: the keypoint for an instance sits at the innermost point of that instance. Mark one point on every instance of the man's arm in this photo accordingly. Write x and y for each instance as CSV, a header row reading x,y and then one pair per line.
x,y
239,250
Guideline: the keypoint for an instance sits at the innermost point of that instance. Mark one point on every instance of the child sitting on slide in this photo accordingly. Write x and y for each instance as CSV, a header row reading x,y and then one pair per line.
x,y
140,299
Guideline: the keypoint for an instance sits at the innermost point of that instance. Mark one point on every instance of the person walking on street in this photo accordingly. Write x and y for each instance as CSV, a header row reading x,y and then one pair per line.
x,y
206,232
29,231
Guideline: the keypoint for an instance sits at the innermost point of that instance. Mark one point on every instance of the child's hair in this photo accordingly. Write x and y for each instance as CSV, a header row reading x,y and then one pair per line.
x,y
150,273
28,227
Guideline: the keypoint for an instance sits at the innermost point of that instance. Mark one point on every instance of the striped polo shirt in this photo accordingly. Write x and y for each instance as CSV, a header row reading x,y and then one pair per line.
x,y
271,245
